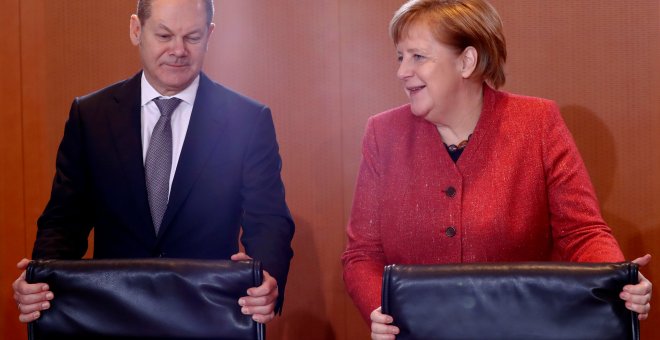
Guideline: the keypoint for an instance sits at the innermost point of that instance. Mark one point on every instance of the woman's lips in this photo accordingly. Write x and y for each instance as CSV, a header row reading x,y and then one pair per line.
x,y
414,89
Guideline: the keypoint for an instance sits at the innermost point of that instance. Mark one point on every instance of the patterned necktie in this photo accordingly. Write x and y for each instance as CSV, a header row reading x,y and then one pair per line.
x,y
159,161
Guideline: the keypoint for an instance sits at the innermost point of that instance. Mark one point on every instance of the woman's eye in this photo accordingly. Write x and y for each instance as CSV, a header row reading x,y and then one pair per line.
x,y
418,57
399,58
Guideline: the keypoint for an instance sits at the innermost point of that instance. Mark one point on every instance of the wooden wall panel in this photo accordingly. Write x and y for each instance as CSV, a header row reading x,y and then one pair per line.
x,y
12,227
324,67
285,54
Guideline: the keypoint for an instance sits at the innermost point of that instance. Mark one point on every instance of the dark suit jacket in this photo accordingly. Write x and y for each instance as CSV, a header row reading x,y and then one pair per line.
x,y
228,176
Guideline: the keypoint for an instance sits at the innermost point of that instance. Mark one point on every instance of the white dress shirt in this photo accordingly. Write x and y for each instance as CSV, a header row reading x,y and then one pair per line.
x,y
149,115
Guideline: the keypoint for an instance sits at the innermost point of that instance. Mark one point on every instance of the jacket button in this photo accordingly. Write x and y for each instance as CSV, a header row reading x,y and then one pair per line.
x,y
450,231
451,192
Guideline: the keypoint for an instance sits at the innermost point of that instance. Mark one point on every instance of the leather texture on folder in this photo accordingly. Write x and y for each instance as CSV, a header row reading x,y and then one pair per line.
x,y
510,301
145,299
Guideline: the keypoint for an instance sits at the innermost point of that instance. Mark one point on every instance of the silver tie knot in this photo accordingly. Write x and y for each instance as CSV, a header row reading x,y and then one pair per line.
x,y
167,106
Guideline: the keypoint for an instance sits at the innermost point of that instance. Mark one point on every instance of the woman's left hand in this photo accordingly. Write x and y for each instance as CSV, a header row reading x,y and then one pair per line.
x,y
638,297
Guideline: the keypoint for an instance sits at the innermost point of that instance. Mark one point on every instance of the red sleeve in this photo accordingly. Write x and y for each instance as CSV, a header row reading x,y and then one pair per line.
x,y
578,229
364,259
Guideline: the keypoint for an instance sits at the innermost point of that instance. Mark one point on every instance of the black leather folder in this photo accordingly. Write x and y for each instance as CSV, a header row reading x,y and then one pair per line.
x,y
145,299
510,301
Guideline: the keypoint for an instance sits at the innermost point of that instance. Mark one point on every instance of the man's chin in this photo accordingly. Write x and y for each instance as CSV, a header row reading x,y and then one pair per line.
x,y
178,84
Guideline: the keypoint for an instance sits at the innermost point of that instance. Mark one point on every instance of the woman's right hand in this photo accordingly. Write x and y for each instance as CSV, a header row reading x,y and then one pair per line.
x,y
380,326
30,299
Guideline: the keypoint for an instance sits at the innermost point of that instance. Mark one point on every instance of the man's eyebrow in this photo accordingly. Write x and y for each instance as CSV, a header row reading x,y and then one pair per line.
x,y
161,26
195,31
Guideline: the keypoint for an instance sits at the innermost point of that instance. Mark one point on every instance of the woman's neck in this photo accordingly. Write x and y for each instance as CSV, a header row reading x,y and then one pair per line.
x,y
459,124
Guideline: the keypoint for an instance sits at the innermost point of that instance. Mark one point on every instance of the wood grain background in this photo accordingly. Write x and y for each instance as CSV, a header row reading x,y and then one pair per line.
x,y
324,67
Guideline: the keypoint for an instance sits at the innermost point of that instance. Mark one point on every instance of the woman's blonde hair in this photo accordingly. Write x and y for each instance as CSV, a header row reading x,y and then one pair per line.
x,y
459,23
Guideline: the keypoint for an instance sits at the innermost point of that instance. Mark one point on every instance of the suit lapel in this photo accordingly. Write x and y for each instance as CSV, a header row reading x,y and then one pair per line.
x,y
125,124
204,131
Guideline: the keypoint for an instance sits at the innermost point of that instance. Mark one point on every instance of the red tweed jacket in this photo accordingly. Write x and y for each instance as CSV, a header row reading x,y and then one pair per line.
x,y
519,192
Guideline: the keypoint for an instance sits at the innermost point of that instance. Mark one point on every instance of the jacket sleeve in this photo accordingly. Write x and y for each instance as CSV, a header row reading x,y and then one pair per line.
x,y
65,224
578,229
364,259
267,223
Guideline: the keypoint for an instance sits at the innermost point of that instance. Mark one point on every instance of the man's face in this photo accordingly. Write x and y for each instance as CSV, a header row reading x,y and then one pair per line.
x,y
173,42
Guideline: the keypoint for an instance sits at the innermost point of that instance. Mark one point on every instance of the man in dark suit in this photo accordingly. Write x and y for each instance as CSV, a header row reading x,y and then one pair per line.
x,y
221,167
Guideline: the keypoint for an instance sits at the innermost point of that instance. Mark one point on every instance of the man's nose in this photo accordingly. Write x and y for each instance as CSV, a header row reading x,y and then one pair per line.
x,y
178,48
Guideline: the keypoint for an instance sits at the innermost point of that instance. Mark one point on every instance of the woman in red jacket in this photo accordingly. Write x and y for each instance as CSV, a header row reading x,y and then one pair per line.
x,y
466,173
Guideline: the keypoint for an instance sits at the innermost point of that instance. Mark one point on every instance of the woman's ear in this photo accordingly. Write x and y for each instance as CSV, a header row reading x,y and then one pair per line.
x,y
469,59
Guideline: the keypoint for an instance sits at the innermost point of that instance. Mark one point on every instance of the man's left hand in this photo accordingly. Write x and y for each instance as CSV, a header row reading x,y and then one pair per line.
x,y
260,301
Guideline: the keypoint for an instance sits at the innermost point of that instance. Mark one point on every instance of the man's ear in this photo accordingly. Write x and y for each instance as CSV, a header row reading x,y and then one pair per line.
x,y
211,28
135,30
469,59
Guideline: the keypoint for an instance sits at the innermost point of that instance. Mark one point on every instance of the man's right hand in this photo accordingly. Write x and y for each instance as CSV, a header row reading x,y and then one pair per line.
x,y
31,299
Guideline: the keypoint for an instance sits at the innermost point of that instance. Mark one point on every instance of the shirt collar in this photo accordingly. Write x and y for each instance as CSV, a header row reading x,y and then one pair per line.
x,y
149,93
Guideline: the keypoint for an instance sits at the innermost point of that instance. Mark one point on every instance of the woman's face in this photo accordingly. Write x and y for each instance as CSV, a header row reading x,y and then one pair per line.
x,y
431,73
